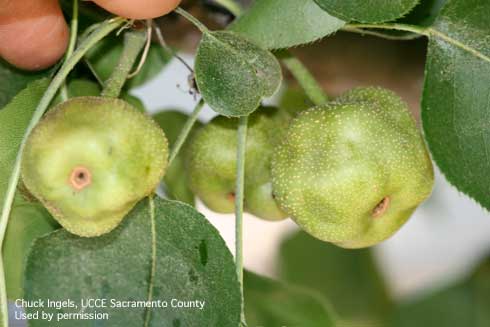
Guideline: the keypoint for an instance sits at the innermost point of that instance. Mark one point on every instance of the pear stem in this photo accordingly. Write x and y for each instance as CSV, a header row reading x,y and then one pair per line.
x,y
233,7
71,44
240,178
103,30
133,43
192,19
185,131
310,85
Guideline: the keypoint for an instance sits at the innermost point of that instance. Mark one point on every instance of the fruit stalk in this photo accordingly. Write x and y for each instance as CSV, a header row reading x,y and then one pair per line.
x,y
103,30
185,132
232,6
71,44
240,177
133,43
305,79
192,19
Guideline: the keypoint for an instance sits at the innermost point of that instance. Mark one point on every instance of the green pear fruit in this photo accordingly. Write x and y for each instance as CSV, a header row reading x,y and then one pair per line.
x,y
176,180
260,202
352,172
91,159
212,158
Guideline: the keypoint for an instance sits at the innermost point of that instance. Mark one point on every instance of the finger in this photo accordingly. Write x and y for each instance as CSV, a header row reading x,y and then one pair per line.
x,y
33,33
141,9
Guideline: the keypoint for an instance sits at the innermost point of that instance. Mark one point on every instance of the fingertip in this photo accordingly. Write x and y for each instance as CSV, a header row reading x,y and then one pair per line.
x,y
33,33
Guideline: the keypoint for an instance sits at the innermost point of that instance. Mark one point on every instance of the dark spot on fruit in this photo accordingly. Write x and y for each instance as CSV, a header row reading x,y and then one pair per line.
x,y
381,207
231,196
203,252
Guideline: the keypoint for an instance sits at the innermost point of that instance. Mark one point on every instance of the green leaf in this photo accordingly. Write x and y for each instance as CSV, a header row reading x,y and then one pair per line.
x,y
374,11
27,222
349,279
456,98
77,88
465,303
13,80
294,100
233,74
134,101
83,87
14,119
163,250
276,24
481,287
104,56
424,14
451,307
176,183
274,304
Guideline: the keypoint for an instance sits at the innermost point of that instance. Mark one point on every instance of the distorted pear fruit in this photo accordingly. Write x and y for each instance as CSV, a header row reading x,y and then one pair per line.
x,y
212,159
91,159
176,180
353,171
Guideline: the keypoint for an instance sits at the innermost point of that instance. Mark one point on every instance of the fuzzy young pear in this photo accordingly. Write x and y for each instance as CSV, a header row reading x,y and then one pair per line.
x,y
353,171
91,159
212,158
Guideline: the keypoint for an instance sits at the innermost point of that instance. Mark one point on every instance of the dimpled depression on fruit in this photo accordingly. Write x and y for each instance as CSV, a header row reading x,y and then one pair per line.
x,y
212,162
352,172
91,159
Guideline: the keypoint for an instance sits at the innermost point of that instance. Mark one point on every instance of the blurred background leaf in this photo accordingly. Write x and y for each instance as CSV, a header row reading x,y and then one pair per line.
x,y
466,303
274,304
349,279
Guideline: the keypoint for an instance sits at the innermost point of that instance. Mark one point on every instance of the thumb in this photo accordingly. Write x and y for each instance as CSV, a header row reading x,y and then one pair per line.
x,y
33,33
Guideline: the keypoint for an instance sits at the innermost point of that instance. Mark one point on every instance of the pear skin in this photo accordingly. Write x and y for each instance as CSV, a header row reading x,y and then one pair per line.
x,y
91,159
353,171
